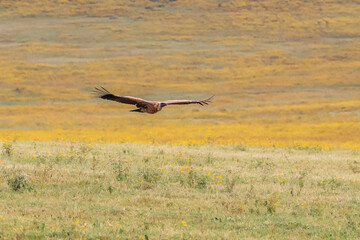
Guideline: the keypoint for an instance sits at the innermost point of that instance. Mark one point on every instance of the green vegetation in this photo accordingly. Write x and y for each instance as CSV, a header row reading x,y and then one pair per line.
x,y
285,75
7,148
54,190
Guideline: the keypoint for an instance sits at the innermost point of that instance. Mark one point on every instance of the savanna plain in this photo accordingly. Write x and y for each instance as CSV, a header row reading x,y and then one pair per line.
x,y
275,156
52,190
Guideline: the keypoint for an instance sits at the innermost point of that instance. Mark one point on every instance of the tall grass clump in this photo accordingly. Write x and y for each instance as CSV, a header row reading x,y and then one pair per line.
x,y
19,183
7,148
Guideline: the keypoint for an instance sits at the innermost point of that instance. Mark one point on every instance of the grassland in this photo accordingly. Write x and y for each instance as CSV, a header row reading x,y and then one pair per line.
x,y
52,190
284,72
276,156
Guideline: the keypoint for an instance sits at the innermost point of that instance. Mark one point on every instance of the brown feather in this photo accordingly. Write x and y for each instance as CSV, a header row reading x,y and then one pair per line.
x,y
142,104
181,102
105,94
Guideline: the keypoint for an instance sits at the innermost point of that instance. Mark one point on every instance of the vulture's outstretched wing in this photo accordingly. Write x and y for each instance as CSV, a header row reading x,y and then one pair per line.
x,y
180,102
105,94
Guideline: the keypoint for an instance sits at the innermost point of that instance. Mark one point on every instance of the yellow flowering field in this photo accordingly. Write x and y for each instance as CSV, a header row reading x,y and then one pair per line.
x,y
285,73
274,156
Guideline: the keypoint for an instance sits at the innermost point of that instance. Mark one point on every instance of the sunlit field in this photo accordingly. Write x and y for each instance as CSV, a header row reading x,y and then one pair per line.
x,y
283,72
274,156
53,190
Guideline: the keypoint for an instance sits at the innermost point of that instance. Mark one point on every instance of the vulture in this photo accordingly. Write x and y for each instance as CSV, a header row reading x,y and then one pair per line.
x,y
145,106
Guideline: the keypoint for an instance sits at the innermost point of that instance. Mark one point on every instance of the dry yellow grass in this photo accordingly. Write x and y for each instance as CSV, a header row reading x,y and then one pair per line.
x,y
284,72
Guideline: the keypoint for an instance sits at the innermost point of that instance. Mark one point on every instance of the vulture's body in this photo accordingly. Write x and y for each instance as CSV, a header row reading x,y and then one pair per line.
x,y
143,105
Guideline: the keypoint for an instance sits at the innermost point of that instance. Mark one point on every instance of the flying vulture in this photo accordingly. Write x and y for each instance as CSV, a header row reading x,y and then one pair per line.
x,y
145,106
